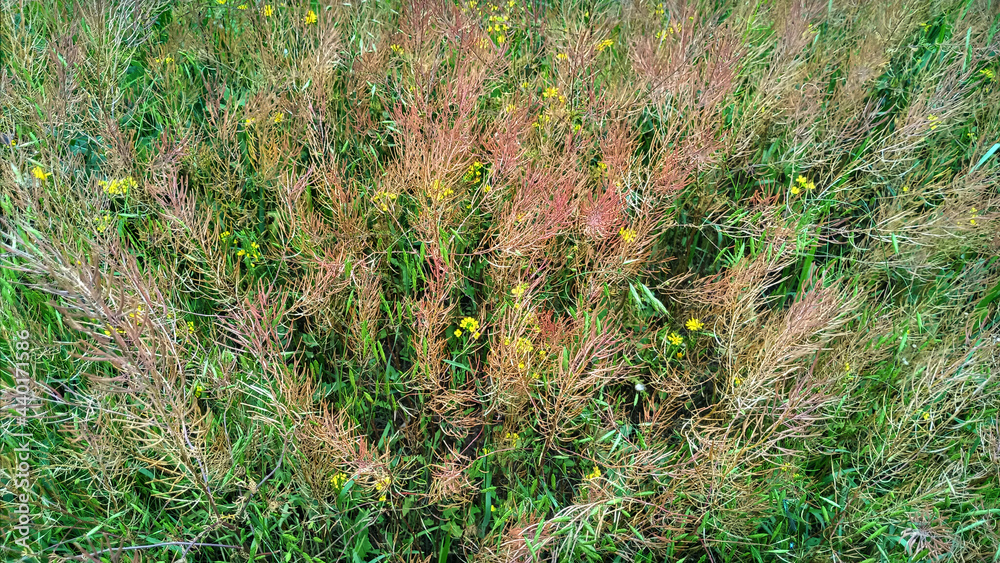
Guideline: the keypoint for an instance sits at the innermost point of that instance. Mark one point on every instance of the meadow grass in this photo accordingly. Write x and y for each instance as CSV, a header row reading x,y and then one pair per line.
x,y
526,281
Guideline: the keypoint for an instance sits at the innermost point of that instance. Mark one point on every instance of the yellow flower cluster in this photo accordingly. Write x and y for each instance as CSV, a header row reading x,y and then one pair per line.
x,y
788,468
596,473
550,92
225,236
659,11
542,121
37,172
118,186
519,290
470,324
380,486
440,192
604,45
253,255
523,346
802,183
396,49
498,24
989,74
475,172
338,480
383,199
107,331
102,222
277,117
268,10
628,235
933,119
694,324
562,57
670,30
310,18
167,59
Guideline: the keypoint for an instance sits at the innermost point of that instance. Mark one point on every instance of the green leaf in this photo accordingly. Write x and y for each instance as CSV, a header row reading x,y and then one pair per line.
x,y
986,156
652,299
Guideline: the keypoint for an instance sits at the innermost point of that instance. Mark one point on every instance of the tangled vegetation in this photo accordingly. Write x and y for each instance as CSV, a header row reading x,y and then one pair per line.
x,y
518,281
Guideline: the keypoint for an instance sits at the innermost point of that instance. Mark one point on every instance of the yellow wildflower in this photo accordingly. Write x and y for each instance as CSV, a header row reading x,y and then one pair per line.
x,y
470,324
268,10
604,45
694,324
277,117
519,289
37,172
596,473
550,92
675,339
311,17
117,186
628,235
458,333
338,480
103,222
